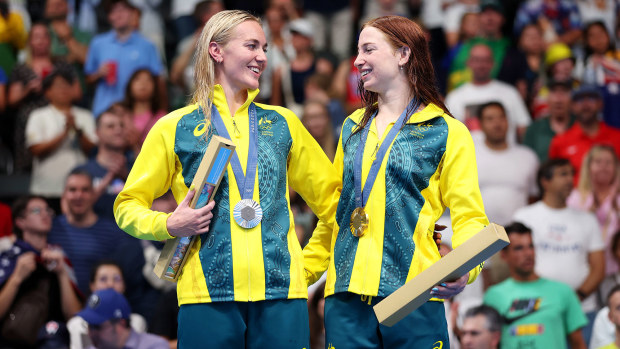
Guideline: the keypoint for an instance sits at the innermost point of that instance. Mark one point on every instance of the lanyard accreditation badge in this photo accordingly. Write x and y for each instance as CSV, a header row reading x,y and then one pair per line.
x,y
359,217
247,212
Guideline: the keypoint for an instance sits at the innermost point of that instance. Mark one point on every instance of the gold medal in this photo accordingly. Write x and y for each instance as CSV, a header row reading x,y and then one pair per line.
x,y
359,222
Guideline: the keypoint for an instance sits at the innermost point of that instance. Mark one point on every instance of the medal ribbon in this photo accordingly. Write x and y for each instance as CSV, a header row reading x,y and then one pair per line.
x,y
361,197
245,183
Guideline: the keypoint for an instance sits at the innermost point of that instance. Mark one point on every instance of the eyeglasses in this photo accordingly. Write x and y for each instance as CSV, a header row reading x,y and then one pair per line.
x,y
39,210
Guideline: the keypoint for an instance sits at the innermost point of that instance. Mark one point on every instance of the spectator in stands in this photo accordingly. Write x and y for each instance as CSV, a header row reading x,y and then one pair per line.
x,y
115,55
469,29
182,69
482,328
107,313
602,68
603,331
317,87
613,306
509,64
539,134
85,237
142,98
316,119
598,191
504,170
464,100
68,42
538,312
184,22
280,50
110,166
604,11
24,90
151,24
59,136
559,19
36,279
569,246
559,66
454,14
289,77
531,44
332,23
13,36
345,84
105,274
587,131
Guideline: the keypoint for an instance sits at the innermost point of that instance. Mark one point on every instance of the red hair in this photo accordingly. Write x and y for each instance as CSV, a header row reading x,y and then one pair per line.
x,y
400,32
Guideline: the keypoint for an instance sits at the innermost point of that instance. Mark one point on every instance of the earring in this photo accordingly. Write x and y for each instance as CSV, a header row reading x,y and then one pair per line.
x,y
401,67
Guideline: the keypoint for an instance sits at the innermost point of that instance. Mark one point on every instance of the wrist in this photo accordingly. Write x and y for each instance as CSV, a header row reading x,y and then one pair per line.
x,y
582,295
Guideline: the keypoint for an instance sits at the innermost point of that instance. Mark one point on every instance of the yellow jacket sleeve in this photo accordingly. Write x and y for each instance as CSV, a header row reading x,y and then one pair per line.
x,y
313,176
460,189
150,177
318,250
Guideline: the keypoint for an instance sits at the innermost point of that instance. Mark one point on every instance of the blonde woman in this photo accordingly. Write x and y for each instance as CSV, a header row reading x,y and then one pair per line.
x,y
598,191
244,284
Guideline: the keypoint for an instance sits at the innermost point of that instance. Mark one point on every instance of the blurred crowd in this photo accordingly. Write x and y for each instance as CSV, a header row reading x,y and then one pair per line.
x,y
82,82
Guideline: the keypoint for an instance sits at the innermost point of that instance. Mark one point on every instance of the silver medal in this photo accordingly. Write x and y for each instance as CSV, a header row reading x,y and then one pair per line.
x,y
248,213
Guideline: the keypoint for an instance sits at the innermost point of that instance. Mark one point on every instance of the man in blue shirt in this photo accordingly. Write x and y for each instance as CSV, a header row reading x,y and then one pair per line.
x,y
114,56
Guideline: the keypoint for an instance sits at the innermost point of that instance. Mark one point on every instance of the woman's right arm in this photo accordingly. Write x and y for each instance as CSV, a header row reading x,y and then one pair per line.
x,y
150,177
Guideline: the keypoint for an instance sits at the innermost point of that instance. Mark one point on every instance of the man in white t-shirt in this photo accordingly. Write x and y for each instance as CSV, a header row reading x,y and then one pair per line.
x,y
58,135
568,242
504,170
464,101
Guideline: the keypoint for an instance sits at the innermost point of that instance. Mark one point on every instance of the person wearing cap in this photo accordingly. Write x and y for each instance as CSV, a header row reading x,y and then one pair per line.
x,y
243,285
115,55
107,313
558,119
559,65
560,19
587,131
509,63
289,77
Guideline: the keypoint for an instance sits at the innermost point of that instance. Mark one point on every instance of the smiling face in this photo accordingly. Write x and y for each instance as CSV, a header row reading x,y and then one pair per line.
x,y
243,58
377,61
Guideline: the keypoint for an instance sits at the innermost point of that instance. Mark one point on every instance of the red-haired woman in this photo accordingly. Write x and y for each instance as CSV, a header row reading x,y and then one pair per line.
x,y
403,159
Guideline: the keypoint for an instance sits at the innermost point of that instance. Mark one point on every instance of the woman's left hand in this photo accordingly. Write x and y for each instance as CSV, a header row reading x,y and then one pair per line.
x,y
448,290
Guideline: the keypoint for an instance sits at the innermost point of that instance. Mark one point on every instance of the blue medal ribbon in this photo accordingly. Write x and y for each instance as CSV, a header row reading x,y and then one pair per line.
x,y
361,197
245,183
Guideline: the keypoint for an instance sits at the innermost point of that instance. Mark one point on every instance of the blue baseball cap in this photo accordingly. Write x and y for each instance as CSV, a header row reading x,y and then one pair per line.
x,y
104,305
586,91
